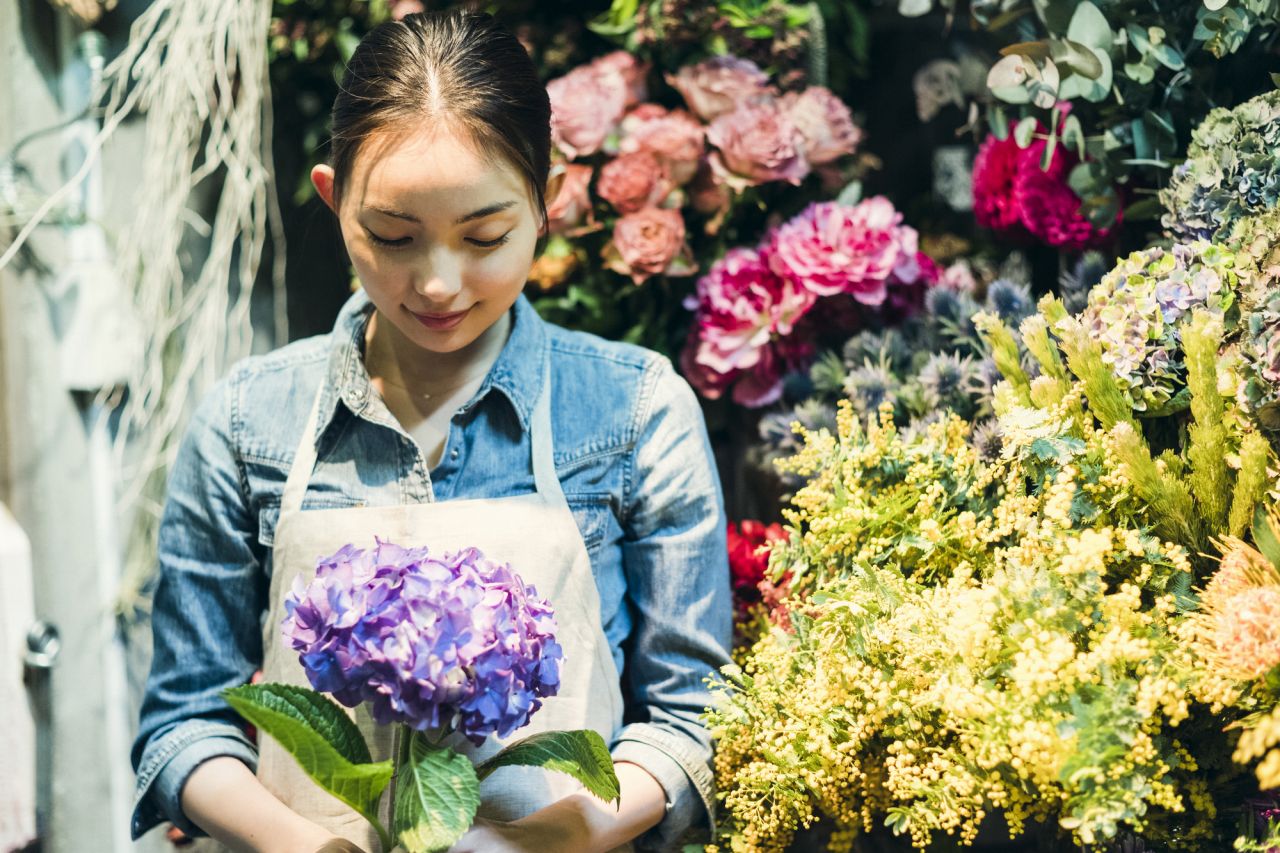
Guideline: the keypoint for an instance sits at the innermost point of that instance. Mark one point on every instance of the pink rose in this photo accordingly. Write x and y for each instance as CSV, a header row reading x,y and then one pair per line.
x,y
401,9
649,242
676,137
573,202
831,248
718,85
742,334
586,105
757,143
634,181
631,71
825,124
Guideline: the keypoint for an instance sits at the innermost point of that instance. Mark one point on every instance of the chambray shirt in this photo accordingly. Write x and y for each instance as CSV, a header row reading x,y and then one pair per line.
x,y
632,455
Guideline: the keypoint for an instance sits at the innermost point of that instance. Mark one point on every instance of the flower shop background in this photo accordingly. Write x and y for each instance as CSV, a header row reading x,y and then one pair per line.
x,y
805,206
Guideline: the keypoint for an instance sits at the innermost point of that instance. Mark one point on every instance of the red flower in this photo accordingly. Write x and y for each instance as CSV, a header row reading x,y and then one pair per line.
x,y
749,560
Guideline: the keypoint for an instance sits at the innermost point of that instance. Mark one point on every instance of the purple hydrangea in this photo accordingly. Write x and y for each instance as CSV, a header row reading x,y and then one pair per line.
x,y
457,641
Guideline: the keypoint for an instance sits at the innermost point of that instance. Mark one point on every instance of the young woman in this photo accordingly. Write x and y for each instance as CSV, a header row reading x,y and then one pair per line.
x,y
442,411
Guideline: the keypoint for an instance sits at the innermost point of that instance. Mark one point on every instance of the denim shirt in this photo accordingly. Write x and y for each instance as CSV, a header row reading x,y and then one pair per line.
x,y
632,455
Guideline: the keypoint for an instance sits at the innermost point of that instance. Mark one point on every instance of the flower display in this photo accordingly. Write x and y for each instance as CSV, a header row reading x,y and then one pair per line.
x,y
649,242
1230,172
1016,195
1135,312
975,631
756,143
456,640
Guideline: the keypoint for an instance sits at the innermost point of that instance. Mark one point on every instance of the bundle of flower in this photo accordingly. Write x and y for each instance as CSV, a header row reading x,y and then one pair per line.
x,y
932,364
973,636
652,189
1022,190
1231,172
656,171
452,646
755,308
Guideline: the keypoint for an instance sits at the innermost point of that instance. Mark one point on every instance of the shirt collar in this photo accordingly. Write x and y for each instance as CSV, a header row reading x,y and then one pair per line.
x,y
517,373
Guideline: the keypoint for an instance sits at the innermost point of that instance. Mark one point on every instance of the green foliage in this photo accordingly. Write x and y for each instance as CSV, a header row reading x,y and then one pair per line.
x,y
326,743
581,754
437,795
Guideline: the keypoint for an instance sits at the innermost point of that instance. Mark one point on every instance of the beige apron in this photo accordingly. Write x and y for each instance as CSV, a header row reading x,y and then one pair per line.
x,y
537,535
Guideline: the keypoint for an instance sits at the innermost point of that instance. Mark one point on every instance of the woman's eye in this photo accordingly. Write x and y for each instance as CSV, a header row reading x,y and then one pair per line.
x,y
490,244
383,241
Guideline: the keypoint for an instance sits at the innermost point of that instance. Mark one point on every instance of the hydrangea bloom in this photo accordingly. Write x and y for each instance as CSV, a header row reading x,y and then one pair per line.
x,y
1231,171
1135,312
430,641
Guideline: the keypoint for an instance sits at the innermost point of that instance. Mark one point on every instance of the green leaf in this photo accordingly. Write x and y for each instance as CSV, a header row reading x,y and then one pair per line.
x,y
326,743
437,794
1265,535
1023,132
582,754
1089,27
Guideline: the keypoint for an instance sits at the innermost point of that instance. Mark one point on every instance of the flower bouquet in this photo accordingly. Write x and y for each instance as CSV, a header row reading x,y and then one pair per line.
x,y
437,645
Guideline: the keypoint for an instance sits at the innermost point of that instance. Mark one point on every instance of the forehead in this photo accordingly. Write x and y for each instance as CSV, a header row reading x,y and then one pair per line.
x,y
433,165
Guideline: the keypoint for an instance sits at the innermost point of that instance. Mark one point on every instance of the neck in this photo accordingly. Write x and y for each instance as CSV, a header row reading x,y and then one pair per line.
x,y
391,357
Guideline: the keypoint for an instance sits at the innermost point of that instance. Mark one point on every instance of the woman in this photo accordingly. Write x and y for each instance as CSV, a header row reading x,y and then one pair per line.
x,y
442,409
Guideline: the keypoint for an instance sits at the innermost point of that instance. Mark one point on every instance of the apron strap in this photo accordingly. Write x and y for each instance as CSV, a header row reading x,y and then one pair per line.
x,y
304,461
544,466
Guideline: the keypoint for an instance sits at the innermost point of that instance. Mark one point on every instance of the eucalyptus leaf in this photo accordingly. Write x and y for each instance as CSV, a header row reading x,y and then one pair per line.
x,y
437,795
1089,26
321,737
581,754
914,8
1024,131
1079,58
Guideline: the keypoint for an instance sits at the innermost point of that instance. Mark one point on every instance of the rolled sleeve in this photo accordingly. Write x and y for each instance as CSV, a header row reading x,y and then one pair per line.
x,y
170,761
677,572
205,613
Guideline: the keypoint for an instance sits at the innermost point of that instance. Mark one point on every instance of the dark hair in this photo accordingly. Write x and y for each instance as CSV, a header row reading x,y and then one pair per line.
x,y
458,67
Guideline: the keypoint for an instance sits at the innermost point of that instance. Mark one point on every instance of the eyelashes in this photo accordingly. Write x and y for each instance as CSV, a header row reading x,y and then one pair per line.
x,y
404,241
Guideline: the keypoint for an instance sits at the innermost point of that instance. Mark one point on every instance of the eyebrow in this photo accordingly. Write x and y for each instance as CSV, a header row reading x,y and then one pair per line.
x,y
473,215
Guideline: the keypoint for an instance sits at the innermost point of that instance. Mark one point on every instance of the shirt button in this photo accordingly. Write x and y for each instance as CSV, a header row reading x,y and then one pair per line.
x,y
454,454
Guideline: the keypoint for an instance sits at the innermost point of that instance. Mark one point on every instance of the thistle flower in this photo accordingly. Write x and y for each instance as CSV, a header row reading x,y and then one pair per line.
x,y
1009,300
456,641
1081,277
869,386
951,381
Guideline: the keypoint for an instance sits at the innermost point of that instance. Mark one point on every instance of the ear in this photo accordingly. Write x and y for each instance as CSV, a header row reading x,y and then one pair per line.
x,y
322,180
555,181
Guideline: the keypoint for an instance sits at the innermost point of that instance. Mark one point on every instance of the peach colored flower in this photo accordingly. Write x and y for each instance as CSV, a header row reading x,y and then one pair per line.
x,y
825,124
631,182
757,143
586,105
649,242
718,85
631,70
676,137
573,202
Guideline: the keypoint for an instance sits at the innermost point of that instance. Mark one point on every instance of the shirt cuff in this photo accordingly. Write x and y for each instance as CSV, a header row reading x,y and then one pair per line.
x,y
682,768
175,757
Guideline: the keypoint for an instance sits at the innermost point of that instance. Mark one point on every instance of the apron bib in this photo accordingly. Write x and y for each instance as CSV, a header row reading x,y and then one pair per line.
x,y
538,536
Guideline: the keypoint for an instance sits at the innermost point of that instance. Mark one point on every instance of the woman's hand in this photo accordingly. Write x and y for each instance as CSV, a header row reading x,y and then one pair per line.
x,y
339,845
528,836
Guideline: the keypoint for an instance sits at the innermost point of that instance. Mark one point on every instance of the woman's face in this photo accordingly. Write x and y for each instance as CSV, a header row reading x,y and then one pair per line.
x,y
441,235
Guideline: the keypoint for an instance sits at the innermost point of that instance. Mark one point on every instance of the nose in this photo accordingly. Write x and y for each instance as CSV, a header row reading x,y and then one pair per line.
x,y
439,280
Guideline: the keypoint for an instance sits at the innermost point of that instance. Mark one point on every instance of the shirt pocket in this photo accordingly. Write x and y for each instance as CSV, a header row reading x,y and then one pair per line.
x,y
269,514
593,513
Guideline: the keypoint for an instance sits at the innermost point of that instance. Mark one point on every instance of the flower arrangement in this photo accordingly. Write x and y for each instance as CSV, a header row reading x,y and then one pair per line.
x,y
751,303
654,190
438,646
1021,190
1230,172
1009,633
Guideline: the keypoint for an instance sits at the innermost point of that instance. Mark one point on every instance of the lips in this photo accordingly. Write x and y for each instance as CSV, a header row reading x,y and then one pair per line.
x,y
440,322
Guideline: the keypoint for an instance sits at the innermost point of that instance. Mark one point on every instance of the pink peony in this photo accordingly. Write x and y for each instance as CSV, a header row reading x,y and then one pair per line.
x,y
832,248
573,202
1049,208
1014,196
825,124
746,315
994,169
675,137
586,105
631,71
647,243
631,182
718,85
757,143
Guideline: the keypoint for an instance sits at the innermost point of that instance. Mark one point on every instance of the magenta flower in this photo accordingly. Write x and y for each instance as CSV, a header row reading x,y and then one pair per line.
x,y
742,332
456,641
832,248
